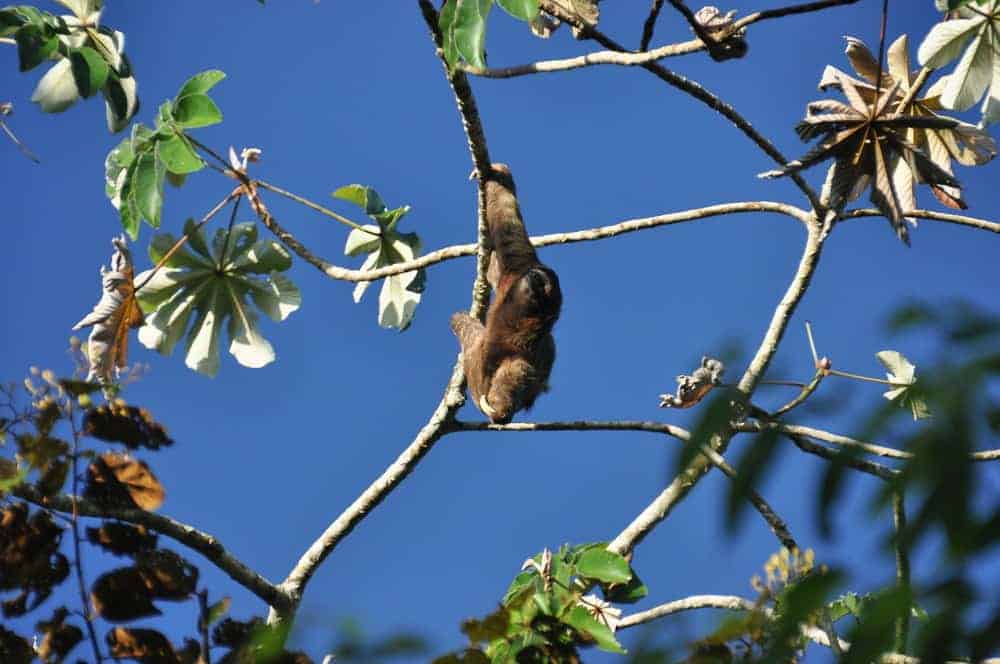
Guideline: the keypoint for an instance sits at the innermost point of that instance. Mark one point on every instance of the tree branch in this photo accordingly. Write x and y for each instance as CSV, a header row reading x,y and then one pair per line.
x,y
294,585
844,441
679,487
902,567
650,25
587,235
929,214
775,522
203,543
865,466
693,89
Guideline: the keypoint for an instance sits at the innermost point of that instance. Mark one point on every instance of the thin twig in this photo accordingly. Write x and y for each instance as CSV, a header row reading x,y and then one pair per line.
x,y
679,487
189,536
650,25
236,193
800,398
902,567
587,235
693,89
229,233
312,205
962,220
206,654
775,522
20,144
863,465
881,52
812,343
88,616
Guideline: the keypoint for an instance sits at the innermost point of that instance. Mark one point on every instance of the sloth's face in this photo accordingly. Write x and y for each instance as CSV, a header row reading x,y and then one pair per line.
x,y
539,293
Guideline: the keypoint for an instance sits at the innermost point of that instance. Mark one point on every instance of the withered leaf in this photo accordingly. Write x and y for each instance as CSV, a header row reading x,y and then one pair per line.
x,y
29,557
58,638
121,480
147,646
692,389
876,140
122,595
167,575
113,316
120,423
14,649
122,539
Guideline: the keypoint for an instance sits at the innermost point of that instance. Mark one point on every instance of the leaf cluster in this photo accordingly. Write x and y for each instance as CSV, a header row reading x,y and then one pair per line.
x,y
89,58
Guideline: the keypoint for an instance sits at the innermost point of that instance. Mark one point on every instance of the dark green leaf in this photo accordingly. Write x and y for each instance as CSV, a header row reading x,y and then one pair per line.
x,y
603,565
627,593
364,197
147,187
195,111
750,472
178,157
34,46
90,70
469,30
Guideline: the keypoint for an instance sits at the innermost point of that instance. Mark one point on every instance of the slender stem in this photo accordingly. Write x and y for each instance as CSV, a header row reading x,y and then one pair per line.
x,y
915,87
806,392
812,343
207,150
867,379
881,52
962,220
229,233
312,206
88,616
236,193
650,25
17,141
206,656
902,567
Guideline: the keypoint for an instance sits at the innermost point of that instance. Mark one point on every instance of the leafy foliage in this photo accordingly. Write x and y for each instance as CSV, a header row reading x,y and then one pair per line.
x,y
135,170
976,73
463,26
212,285
89,58
400,294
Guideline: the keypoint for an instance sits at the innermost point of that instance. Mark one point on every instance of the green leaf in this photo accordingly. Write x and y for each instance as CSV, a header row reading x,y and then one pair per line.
x,y
196,110
127,209
945,41
178,157
147,183
120,100
525,10
469,30
603,565
363,196
581,620
34,46
201,83
446,24
628,593
90,70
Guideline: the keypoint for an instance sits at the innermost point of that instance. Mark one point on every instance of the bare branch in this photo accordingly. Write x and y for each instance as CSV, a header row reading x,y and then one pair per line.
x,y
902,567
294,585
650,25
962,220
679,487
203,543
587,235
775,522
693,89
845,441
865,466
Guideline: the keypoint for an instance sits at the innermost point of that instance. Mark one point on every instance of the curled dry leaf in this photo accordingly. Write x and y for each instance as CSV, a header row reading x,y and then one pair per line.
x,y
115,314
58,638
145,645
726,43
167,575
869,138
692,389
121,480
30,561
118,422
121,595
122,539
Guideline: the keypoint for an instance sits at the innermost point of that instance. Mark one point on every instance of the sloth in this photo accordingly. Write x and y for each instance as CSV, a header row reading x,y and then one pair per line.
x,y
508,360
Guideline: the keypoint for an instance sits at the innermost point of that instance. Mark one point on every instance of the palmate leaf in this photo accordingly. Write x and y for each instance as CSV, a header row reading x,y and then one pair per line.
x,y
113,317
385,246
875,141
216,287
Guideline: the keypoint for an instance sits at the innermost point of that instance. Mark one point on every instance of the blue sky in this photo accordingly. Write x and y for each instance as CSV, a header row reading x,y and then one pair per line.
x,y
336,93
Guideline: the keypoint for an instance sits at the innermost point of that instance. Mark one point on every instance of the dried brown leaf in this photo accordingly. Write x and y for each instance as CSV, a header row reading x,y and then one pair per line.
x,y
147,646
119,479
122,539
113,316
120,423
58,638
122,595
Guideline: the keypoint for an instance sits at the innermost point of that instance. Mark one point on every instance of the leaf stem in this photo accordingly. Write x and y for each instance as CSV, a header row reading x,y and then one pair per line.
x,y
881,52
312,206
812,342
880,381
236,193
229,233
806,392
915,88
